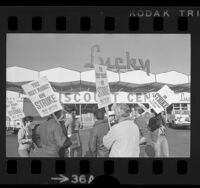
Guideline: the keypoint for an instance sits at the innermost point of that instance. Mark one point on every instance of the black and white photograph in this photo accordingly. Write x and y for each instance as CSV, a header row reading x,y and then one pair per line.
x,y
98,95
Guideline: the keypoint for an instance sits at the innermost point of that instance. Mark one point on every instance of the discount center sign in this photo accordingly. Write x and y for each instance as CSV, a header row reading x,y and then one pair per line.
x,y
42,96
102,86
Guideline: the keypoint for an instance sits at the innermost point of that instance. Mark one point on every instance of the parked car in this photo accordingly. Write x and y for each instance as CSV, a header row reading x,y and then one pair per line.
x,y
17,125
13,126
179,121
182,121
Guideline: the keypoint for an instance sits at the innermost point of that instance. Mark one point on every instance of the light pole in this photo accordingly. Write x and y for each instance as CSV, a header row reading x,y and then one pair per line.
x,y
91,63
97,47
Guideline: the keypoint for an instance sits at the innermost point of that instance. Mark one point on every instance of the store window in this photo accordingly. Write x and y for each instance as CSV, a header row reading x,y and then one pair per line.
x,y
176,106
184,107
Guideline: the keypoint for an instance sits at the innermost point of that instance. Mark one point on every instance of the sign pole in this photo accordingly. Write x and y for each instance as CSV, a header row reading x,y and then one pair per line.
x,y
106,108
55,118
166,115
80,112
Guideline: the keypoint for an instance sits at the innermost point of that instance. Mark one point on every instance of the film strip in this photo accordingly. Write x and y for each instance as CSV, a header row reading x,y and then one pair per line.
x,y
98,20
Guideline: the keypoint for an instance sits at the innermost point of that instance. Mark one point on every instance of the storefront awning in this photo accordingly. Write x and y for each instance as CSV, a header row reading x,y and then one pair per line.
x,y
65,80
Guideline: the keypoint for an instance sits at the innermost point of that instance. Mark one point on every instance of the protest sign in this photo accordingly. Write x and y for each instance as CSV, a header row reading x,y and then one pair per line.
x,y
161,99
88,120
42,96
102,86
75,140
14,108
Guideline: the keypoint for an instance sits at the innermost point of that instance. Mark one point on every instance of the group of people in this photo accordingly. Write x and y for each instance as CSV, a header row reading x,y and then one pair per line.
x,y
132,135
129,134
51,138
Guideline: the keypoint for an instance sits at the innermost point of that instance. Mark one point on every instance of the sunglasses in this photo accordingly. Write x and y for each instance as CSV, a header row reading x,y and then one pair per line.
x,y
28,121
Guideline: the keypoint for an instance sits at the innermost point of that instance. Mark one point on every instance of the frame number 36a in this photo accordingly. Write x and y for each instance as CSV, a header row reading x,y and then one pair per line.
x,y
82,179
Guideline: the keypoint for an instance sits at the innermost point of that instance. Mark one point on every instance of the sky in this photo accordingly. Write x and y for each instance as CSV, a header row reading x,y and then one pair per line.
x,y
166,52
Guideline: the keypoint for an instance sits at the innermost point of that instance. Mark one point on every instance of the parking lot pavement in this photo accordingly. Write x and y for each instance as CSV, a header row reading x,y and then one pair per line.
x,y
179,142
178,139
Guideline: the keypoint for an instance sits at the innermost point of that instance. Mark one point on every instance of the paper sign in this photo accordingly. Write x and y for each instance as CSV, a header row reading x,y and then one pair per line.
x,y
161,99
102,86
42,96
14,108
88,120
75,140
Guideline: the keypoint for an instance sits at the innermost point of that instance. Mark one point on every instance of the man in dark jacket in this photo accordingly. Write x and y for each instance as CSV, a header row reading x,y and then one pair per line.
x,y
73,128
52,136
99,130
158,134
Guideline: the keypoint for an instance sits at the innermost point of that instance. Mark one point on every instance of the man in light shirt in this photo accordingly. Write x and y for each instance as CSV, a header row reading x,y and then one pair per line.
x,y
123,138
25,137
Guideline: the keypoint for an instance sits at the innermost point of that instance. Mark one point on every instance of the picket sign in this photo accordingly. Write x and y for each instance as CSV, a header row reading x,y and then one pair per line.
x,y
42,96
102,88
14,108
87,120
161,99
